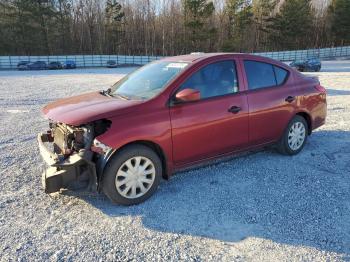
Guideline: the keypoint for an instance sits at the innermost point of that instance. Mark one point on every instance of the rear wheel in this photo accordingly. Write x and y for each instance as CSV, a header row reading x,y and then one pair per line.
x,y
294,137
132,175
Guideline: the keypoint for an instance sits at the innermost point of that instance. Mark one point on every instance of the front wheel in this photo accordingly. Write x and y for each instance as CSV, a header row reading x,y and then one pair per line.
x,y
132,175
294,137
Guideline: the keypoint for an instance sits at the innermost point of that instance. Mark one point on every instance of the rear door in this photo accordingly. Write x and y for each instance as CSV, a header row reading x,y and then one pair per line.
x,y
209,127
271,99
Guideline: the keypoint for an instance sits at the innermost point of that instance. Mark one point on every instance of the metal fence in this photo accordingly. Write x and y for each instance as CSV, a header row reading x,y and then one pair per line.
x,y
10,62
322,53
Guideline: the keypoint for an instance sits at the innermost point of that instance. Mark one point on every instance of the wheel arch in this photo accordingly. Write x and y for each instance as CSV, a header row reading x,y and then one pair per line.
x,y
150,144
308,120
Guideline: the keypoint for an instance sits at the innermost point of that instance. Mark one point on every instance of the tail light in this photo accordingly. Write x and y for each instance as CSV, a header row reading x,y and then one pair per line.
x,y
320,89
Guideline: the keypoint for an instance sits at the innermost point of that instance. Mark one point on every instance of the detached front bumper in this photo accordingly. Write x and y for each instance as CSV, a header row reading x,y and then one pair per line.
x,y
63,171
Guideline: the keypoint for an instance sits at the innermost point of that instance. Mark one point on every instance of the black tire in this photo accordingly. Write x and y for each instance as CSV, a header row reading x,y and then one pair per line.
x,y
283,146
115,163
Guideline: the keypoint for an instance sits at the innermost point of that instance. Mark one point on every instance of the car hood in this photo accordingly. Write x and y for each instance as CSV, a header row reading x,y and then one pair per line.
x,y
82,109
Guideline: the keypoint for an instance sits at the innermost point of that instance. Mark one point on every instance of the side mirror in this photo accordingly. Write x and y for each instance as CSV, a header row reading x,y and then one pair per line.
x,y
187,95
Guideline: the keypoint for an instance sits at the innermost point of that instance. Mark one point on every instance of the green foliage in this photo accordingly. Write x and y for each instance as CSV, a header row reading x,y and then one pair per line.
x,y
240,16
340,15
114,20
114,13
197,21
27,24
61,32
262,12
292,25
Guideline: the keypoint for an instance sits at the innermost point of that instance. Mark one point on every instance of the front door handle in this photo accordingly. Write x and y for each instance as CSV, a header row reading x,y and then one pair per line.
x,y
290,99
234,109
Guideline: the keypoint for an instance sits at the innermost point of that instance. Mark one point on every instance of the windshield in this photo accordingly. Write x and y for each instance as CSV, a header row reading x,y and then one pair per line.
x,y
148,81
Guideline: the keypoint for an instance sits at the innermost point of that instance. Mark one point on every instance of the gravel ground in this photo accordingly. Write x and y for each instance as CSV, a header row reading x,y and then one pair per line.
x,y
257,207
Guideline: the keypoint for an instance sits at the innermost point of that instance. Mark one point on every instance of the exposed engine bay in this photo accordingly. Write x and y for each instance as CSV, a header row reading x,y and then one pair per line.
x,y
70,158
68,139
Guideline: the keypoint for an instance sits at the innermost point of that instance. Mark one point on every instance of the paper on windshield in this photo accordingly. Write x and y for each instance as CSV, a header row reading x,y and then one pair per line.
x,y
176,65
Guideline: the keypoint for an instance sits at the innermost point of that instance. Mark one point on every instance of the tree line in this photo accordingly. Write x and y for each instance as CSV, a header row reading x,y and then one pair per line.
x,y
170,27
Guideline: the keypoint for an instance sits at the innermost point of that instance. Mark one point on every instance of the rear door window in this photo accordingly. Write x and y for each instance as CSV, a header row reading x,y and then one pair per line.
x,y
260,74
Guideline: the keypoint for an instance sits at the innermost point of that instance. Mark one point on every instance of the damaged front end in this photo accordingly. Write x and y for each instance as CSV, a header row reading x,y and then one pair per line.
x,y
68,152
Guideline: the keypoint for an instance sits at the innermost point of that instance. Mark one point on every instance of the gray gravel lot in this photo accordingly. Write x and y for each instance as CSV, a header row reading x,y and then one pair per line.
x,y
257,207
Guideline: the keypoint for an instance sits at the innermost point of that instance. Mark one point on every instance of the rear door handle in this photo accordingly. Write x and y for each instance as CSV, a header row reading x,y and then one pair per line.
x,y
234,109
290,99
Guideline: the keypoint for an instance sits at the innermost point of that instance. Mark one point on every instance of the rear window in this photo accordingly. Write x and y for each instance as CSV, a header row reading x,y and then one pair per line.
x,y
260,74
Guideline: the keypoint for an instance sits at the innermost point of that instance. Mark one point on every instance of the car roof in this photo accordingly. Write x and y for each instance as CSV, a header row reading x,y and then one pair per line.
x,y
192,57
196,57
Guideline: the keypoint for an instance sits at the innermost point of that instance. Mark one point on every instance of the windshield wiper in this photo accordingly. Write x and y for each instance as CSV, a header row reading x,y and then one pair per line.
x,y
106,92
122,96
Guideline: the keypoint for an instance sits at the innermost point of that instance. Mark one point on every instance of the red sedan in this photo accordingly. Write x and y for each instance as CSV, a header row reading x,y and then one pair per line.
x,y
174,113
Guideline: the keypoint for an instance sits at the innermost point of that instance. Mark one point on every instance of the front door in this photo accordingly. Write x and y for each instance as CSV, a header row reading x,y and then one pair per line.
x,y
217,123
